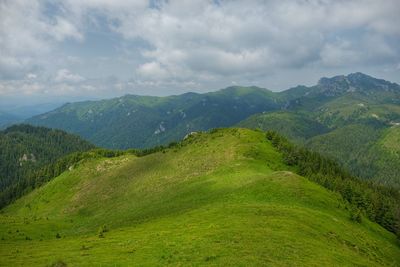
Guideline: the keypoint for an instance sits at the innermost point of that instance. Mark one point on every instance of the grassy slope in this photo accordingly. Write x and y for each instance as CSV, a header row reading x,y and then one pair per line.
x,y
224,199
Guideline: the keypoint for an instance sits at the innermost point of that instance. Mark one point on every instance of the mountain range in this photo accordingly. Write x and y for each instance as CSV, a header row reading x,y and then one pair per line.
x,y
354,119
7,119
12,114
145,121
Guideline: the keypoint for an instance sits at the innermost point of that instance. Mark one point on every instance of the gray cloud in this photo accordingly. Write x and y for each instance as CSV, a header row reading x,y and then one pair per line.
x,y
234,38
194,44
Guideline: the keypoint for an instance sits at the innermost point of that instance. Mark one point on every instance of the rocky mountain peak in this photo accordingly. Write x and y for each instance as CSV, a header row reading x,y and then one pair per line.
x,y
354,82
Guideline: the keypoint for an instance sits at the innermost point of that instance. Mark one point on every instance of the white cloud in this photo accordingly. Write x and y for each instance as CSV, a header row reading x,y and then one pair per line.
x,y
233,38
63,29
31,76
192,43
28,35
65,75
20,88
152,70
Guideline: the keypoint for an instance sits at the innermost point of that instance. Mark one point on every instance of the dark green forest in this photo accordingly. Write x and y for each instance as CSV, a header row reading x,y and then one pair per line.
x,y
25,150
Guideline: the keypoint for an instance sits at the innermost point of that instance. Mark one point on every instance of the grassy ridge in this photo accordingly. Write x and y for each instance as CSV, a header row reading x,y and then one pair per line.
x,y
224,198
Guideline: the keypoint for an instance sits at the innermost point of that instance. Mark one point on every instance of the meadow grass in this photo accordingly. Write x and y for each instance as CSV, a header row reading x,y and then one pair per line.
x,y
222,198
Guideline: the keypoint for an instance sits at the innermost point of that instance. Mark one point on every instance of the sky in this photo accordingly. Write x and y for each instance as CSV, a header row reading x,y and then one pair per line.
x,y
75,50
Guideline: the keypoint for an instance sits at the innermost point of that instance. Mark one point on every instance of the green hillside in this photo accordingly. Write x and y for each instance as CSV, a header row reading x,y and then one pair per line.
x,y
25,149
222,198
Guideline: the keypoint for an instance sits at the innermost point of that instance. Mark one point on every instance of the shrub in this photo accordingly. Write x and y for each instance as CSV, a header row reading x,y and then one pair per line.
x,y
102,230
58,263
355,215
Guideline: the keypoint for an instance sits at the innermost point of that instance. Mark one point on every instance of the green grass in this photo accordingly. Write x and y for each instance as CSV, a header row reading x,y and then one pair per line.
x,y
223,198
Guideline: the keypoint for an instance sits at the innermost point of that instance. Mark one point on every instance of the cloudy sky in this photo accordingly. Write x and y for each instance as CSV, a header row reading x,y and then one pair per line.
x,y
74,49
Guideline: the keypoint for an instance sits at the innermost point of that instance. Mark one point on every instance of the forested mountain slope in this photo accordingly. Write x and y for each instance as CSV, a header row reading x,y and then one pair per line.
x,y
229,197
25,149
144,121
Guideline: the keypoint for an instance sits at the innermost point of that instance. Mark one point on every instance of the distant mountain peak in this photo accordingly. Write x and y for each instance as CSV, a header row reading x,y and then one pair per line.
x,y
335,85
355,82
359,75
351,76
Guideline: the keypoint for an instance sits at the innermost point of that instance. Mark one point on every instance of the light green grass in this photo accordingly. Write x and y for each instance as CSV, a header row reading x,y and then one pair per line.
x,y
222,199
